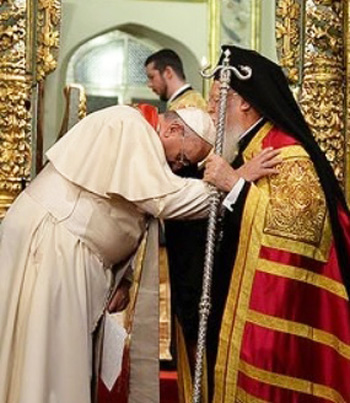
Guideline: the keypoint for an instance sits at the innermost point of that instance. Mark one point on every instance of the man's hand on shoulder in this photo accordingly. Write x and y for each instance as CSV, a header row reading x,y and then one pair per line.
x,y
262,164
220,174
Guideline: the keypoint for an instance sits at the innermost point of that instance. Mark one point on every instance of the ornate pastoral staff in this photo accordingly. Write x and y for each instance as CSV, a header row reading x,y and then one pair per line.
x,y
215,198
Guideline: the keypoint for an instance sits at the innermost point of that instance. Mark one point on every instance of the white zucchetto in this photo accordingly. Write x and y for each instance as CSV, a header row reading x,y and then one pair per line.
x,y
199,122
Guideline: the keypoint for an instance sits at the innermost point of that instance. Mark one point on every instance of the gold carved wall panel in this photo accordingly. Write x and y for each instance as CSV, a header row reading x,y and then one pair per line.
x,y
15,87
48,35
311,45
29,36
323,87
288,37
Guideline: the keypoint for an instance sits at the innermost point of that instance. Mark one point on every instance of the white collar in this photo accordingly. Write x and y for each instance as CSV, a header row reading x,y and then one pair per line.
x,y
177,92
249,129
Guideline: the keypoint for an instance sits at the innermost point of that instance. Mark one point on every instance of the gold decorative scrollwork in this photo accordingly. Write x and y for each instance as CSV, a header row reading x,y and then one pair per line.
x,y
25,27
310,38
297,208
288,36
15,149
15,145
48,25
323,88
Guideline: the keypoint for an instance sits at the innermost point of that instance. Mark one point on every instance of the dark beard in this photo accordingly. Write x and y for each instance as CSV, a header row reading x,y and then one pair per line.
x,y
163,97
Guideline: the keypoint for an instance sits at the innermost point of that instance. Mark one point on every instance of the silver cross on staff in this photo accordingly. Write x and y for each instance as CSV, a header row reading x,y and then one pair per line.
x,y
215,198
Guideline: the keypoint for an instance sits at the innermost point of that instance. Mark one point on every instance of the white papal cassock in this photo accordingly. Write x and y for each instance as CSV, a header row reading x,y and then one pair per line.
x,y
84,213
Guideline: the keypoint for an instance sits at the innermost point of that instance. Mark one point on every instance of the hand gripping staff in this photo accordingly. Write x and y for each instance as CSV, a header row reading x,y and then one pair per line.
x,y
215,197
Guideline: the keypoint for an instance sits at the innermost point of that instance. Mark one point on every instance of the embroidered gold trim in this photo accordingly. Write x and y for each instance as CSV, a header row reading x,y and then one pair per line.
x,y
297,220
320,254
184,377
273,239
184,380
297,207
244,397
134,290
226,370
255,145
293,151
306,276
301,330
290,383
189,98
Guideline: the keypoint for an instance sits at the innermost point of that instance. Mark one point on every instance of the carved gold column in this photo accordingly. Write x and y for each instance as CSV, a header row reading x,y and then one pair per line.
x,y
323,86
48,18
311,47
15,83
28,52
289,15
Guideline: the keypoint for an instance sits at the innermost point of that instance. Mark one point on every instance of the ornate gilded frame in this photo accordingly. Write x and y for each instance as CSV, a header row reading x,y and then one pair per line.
x,y
313,47
215,40
29,41
214,17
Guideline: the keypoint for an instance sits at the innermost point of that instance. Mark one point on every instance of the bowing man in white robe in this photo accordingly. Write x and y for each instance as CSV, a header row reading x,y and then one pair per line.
x,y
83,214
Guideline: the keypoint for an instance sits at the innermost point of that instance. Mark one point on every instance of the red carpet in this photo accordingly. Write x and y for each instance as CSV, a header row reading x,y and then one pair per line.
x,y
168,390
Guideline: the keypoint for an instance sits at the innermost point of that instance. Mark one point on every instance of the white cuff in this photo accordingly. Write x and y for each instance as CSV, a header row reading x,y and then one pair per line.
x,y
232,197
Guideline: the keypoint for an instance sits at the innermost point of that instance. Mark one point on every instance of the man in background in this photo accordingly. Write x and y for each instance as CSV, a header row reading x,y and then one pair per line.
x,y
166,78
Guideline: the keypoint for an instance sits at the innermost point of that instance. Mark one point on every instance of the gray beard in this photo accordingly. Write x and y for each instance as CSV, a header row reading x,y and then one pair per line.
x,y
230,147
